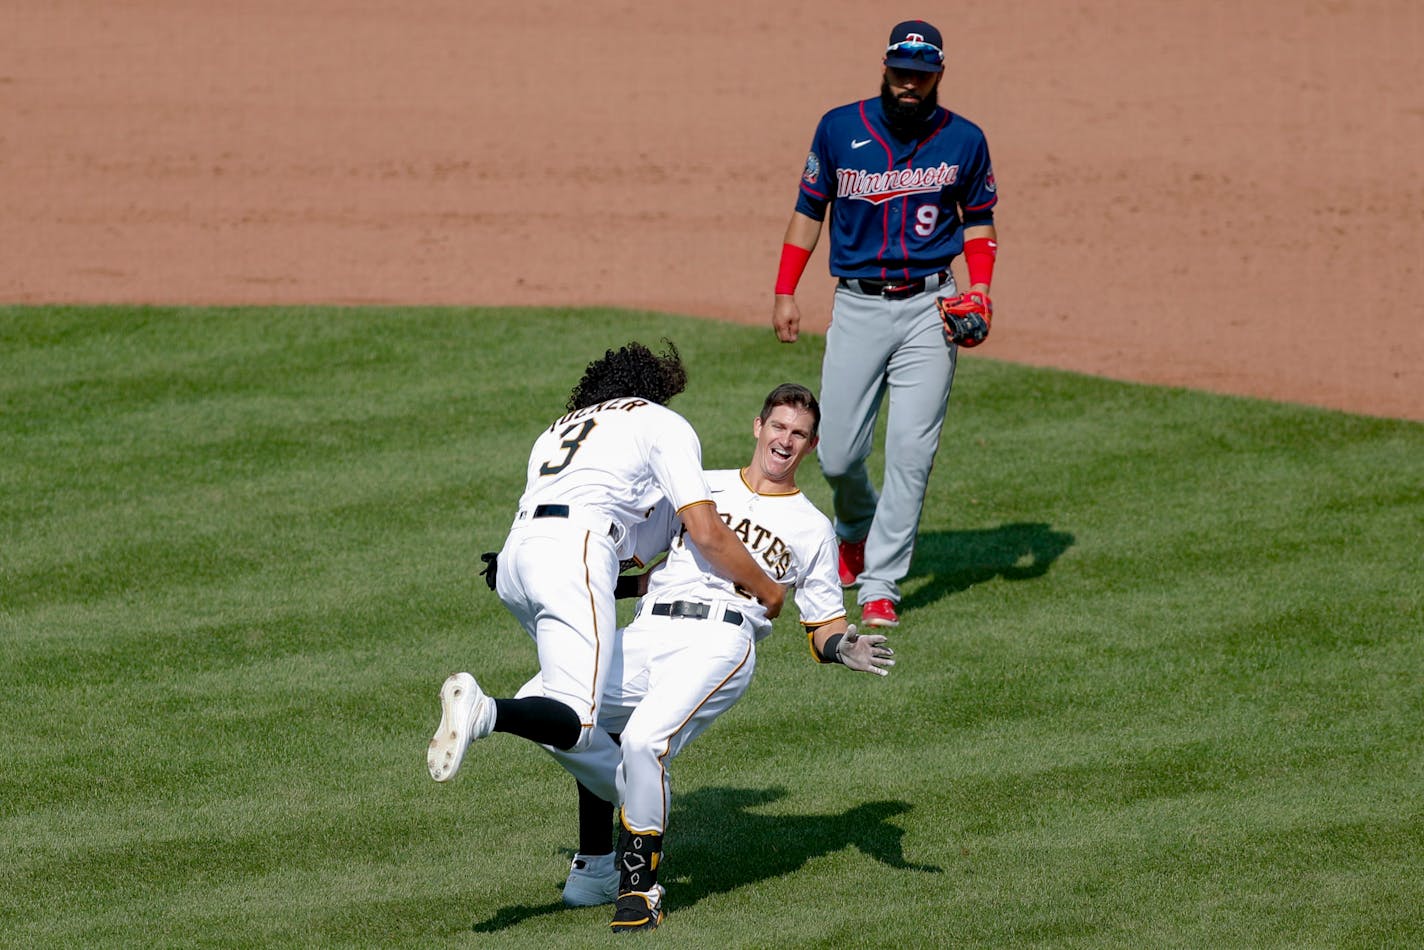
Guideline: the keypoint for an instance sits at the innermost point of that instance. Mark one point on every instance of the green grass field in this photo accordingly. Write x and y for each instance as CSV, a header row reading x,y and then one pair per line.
x,y
1161,676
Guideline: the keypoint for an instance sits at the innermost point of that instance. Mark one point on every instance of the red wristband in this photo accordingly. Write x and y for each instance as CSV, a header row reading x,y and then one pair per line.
x,y
979,257
793,263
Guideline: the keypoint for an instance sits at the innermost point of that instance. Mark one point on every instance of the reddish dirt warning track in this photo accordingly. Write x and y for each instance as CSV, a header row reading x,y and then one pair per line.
x,y
1226,196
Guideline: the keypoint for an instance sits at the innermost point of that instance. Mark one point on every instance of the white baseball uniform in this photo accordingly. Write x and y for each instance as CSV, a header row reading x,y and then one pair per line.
x,y
593,475
689,653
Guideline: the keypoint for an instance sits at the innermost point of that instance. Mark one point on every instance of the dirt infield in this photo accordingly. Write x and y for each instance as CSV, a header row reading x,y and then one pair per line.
x,y
1227,196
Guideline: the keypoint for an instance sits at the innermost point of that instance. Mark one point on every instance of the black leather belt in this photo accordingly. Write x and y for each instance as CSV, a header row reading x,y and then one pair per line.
x,y
890,289
562,511
687,608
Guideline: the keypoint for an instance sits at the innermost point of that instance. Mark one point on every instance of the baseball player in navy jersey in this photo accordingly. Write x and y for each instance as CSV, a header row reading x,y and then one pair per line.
x,y
688,655
593,474
908,187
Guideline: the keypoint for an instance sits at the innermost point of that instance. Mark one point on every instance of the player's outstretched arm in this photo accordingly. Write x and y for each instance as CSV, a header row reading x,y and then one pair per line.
x,y
839,642
729,556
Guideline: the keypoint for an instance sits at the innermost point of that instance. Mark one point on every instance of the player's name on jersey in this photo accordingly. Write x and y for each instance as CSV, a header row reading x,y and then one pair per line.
x,y
627,404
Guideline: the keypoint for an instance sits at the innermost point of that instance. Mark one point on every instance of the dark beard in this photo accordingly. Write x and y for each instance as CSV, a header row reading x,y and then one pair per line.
x,y
907,118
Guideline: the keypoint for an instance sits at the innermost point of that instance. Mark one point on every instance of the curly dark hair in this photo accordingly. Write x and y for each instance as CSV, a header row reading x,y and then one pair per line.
x,y
632,370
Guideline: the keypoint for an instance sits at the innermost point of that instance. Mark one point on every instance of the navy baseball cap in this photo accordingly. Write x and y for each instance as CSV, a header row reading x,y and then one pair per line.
x,y
915,45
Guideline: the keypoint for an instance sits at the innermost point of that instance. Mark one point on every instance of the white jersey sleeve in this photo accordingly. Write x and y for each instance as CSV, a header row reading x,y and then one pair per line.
x,y
675,455
819,597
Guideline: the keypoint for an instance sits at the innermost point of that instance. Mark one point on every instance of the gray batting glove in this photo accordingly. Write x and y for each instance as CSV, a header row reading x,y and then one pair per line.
x,y
865,654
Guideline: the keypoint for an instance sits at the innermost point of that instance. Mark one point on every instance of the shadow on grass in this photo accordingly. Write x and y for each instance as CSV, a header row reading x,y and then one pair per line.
x,y
716,843
957,560
507,917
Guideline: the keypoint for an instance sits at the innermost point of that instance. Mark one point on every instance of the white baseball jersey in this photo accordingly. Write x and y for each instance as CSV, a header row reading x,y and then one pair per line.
x,y
593,474
617,457
787,536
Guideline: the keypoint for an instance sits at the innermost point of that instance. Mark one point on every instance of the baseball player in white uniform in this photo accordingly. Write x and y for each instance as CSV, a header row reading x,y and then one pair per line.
x,y
593,474
689,653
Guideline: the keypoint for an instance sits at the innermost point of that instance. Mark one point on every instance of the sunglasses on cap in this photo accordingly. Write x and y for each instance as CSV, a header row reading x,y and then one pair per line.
x,y
918,50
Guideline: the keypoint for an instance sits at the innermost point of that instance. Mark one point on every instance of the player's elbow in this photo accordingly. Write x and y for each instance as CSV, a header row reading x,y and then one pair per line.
x,y
703,525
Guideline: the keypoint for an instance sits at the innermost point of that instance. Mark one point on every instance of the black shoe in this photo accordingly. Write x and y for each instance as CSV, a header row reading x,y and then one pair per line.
x,y
638,910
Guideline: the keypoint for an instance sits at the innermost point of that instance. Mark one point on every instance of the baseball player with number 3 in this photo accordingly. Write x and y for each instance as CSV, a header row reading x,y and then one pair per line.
x,y
908,187
593,476
688,655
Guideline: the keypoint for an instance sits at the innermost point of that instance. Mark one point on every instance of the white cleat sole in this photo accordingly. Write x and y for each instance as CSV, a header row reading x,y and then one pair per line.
x,y
460,698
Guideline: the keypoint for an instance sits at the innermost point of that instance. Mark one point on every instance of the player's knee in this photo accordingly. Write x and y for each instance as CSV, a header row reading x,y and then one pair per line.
x,y
584,741
637,747
836,465
534,686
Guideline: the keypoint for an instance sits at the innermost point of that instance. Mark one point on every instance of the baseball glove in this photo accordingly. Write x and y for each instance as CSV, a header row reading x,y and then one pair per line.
x,y
966,317
491,571
865,653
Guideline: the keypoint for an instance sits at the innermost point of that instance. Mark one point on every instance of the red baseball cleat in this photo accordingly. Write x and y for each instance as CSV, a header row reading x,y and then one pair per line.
x,y
852,561
879,613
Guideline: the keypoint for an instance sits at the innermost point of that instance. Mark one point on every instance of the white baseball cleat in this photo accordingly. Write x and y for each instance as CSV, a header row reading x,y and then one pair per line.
x,y
592,881
466,714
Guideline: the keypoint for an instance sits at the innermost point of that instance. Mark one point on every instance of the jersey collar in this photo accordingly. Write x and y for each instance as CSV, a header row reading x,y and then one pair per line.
x,y
742,474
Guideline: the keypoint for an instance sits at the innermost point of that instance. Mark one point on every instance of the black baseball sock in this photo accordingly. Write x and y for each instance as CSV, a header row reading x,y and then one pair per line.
x,y
595,823
538,719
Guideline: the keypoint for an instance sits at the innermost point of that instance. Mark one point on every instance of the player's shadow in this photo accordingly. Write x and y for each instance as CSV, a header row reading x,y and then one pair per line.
x,y
957,560
716,843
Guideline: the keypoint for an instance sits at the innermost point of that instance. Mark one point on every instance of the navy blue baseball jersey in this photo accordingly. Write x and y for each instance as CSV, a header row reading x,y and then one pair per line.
x,y
898,207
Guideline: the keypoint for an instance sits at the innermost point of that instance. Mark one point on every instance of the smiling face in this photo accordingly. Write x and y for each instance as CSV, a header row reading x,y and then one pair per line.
x,y
786,437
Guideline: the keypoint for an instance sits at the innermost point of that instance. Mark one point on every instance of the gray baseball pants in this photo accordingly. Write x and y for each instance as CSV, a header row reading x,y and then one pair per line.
x,y
877,346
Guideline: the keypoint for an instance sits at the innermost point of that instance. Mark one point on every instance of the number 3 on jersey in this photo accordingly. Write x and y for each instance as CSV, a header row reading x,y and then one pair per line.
x,y
571,444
